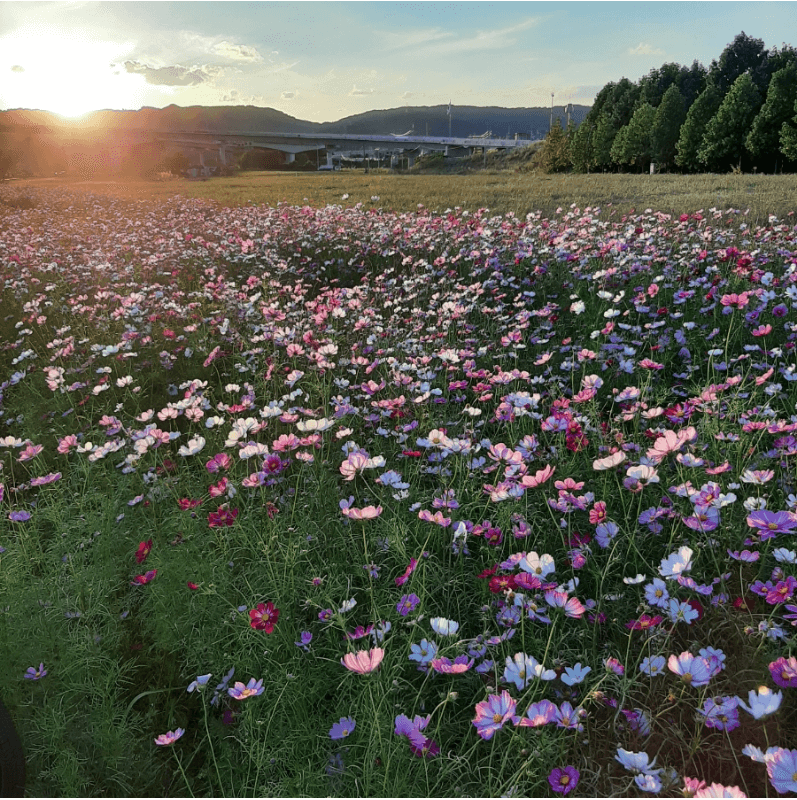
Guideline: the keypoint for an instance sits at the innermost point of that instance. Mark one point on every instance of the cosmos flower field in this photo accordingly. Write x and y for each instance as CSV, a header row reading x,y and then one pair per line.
x,y
341,501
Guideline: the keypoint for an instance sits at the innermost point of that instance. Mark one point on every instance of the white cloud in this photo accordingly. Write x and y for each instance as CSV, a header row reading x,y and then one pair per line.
x,y
237,52
289,95
355,92
644,49
437,40
394,40
174,75
17,68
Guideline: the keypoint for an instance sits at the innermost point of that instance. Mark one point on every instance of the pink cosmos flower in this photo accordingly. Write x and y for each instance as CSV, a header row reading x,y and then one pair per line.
x,y
30,451
169,738
369,512
539,477
363,661
537,714
251,689
445,665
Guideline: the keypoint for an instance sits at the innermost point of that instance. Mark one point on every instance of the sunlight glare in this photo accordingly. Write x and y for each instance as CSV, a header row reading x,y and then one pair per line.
x,y
66,73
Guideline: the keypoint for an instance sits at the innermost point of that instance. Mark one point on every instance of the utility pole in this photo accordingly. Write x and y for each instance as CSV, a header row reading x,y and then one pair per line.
x,y
449,119
550,124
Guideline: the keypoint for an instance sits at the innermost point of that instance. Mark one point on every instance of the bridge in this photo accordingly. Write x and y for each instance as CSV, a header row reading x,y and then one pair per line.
x,y
335,143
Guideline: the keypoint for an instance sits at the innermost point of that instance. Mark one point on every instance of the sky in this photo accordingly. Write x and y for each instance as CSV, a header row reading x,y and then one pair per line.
x,y
322,61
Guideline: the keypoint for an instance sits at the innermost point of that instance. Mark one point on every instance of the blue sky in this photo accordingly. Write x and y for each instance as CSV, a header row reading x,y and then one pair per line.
x,y
325,60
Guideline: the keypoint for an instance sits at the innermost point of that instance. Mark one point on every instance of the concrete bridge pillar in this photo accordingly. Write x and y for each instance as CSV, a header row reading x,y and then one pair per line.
x,y
222,156
290,158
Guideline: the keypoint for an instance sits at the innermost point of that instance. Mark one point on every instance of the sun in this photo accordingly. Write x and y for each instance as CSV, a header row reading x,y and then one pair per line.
x,y
65,72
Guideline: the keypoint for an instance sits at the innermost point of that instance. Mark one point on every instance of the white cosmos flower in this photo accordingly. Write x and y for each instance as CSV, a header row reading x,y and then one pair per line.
x,y
193,447
315,425
443,626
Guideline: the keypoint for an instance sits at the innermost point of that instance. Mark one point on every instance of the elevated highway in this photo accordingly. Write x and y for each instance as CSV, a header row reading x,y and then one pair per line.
x,y
292,143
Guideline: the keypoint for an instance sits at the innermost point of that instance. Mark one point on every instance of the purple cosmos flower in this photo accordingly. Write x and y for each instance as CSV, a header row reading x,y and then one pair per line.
x,y
770,523
564,779
782,770
19,516
342,729
407,604
693,670
33,674
305,637
721,713
491,714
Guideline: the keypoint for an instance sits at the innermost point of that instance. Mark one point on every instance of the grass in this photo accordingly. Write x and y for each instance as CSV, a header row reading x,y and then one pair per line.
x,y
241,443
500,191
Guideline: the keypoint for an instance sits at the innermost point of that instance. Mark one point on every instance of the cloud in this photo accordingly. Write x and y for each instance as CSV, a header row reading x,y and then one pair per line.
x,y
237,52
394,40
406,95
644,49
355,92
174,75
17,68
289,95
437,40
234,96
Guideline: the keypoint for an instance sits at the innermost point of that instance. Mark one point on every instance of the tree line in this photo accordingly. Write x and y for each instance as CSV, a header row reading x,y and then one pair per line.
x,y
739,114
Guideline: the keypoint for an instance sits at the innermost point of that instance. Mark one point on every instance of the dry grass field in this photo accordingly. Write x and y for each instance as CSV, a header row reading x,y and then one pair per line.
x,y
499,191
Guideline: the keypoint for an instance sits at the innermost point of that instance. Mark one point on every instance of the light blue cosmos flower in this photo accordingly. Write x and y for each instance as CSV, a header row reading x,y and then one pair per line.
x,y
575,674
200,681
424,652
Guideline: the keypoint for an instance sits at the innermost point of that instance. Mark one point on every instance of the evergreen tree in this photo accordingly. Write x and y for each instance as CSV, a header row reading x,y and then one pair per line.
x,y
780,59
654,85
788,137
723,140
743,54
554,156
670,116
632,144
581,148
691,83
690,137
602,140
763,140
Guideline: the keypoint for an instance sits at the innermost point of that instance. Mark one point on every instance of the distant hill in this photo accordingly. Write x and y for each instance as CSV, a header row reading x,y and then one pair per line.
x,y
465,120
36,142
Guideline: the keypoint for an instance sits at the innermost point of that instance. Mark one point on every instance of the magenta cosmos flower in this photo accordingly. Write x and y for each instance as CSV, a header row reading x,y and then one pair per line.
x,y
784,671
264,617
564,779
